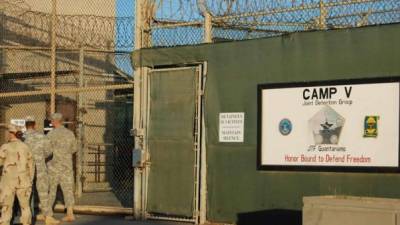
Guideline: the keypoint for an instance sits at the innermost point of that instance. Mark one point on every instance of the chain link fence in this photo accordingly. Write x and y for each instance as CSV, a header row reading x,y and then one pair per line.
x,y
95,98
101,24
179,22
109,24
94,84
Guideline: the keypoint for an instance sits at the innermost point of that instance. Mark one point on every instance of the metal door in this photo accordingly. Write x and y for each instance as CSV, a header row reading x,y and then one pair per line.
x,y
173,141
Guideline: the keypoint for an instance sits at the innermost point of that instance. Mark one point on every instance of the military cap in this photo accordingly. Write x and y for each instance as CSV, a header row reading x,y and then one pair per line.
x,y
12,128
56,116
30,119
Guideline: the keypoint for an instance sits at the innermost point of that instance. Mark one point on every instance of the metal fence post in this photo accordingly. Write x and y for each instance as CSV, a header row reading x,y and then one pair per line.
x,y
203,161
207,27
53,57
323,15
137,182
203,157
79,158
144,14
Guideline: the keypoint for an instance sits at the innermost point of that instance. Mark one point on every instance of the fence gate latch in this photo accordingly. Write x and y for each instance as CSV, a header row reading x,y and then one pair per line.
x,y
137,158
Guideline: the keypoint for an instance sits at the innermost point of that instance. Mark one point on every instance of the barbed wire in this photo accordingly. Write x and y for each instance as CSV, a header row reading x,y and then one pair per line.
x,y
14,6
33,28
179,22
244,19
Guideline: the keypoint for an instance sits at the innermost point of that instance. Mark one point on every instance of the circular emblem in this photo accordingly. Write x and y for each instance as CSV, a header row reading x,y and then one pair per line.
x,y
285,127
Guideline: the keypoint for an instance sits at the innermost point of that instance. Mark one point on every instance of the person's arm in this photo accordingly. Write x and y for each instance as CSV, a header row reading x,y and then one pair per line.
x,y
74,144
47,147
74,147
31,165
2,155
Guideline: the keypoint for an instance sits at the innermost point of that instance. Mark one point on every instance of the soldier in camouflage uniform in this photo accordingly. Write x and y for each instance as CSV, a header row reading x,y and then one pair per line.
x,y
41,149
18,171
60,167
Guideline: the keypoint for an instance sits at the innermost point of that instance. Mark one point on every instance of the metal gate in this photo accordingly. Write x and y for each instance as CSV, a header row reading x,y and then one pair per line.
x,y
174,143
107,150
95,98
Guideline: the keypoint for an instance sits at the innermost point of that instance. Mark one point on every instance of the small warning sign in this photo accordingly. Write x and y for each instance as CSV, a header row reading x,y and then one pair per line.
x,y
231,127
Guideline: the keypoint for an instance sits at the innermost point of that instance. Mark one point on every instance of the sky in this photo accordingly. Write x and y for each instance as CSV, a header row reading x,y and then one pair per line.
x,y
124,8
171,9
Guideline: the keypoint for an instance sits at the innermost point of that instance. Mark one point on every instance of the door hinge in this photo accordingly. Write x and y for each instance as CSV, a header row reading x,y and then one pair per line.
x,y
137,132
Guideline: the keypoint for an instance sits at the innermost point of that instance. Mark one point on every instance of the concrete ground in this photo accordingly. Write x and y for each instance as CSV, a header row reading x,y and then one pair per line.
x,y
110,220
99,199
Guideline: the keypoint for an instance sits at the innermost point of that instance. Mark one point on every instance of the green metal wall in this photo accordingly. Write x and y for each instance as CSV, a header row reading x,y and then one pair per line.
x,y
235,69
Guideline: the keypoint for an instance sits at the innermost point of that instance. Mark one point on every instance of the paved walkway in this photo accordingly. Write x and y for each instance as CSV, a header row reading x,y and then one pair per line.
x,y
110,220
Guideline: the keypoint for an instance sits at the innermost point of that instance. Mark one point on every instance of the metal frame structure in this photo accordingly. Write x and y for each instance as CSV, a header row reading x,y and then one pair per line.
x,y
66,90
141,93
199,172
79,90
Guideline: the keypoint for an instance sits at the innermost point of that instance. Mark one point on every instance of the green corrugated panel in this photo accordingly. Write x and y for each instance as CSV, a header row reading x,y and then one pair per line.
x,y
171,179
235,186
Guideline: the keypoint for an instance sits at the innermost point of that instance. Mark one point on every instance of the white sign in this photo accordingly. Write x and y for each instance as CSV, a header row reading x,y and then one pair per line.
x,y
231,127
351,125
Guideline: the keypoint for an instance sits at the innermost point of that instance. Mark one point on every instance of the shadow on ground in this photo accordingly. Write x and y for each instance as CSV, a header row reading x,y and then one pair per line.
x,y
108,220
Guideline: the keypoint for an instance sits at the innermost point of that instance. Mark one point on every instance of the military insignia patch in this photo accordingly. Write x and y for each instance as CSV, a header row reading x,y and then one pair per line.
x,y
326,125
371,126
285,127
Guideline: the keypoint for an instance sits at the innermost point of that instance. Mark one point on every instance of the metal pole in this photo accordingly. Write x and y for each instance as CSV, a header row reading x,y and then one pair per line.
x,y
203,157
144,12
207,27
197,144
323,15
137,172
53,58
67,90
203,177
80,134
144,120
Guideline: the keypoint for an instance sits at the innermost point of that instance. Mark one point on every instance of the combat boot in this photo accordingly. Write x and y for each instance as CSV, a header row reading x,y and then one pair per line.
x,y
51,220
40,217
70,215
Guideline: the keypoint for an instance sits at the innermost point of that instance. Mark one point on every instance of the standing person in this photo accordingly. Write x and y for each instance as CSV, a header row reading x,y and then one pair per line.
x,y
60,167
41,149
18,171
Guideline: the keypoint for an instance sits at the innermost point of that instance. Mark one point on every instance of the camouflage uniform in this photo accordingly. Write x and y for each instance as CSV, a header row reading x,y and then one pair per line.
x,y
41,149
18,171
60,167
